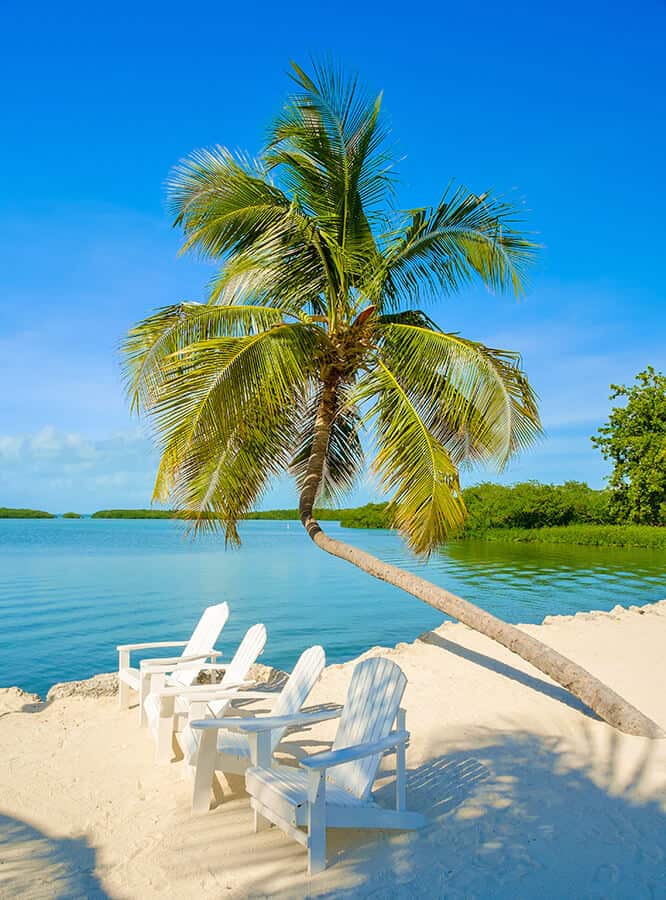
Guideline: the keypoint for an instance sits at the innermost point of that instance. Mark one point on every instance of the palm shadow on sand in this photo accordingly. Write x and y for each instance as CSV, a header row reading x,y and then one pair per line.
x,y
34,864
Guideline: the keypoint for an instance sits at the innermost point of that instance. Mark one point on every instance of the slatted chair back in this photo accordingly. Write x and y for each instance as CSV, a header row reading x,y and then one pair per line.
x,y
369,713
245,656
303,678
203,638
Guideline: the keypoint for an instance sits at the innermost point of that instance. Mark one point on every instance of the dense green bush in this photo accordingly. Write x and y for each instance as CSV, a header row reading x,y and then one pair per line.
x,y
372,515
71,515
534,505
526,505
634,439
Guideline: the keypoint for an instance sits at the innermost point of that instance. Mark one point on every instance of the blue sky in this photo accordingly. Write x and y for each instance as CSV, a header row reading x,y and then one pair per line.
x,y
560,107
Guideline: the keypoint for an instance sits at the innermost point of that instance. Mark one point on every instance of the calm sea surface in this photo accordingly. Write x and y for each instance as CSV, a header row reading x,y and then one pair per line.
x,y
70,590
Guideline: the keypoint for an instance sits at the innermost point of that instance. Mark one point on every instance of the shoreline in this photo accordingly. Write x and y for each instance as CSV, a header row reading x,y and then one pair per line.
x,y
105,684
526,793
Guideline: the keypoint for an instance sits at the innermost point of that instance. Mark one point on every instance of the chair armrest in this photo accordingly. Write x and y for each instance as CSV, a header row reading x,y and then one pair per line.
x,y
201,691
329,758
266,723
121,647
171,660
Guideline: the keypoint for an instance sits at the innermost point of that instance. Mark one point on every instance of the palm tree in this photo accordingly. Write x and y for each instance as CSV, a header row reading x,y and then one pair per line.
x,y
312,333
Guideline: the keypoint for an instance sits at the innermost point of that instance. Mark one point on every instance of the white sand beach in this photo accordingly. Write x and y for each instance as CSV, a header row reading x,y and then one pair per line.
x,y
526,793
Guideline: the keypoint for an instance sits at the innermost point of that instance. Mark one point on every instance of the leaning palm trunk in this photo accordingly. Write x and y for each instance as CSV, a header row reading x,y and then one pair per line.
x,y
604,701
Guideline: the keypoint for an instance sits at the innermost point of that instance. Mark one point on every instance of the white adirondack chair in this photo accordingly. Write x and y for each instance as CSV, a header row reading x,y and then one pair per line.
x,y
181,669
333,789
167,706
214,749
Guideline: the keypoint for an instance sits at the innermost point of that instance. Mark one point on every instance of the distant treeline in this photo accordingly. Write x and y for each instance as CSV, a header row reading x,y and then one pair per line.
x,y
567,513
571,513
134,514
525,505
330,515
8,513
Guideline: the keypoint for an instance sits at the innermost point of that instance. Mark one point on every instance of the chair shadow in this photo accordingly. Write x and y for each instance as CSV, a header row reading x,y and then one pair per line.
x,y
34,864
507,671
512,819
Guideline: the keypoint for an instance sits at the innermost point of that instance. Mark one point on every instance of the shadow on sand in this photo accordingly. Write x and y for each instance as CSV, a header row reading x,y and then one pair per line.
x,y
546,688
510,819
34,865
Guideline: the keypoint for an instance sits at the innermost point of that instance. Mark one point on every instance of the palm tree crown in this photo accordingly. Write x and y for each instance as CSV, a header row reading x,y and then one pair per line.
x,y
312,331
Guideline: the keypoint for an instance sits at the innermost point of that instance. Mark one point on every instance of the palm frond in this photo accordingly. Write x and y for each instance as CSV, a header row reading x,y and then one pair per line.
x,y
151,344
328,149
439,251
218,486
224,203
415,468
476,399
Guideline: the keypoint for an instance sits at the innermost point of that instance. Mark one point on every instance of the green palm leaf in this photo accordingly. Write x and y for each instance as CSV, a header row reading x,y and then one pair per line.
x,y
439,251
475,399
413,466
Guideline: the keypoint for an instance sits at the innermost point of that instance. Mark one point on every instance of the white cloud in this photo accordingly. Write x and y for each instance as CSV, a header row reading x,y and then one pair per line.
x,y
61,470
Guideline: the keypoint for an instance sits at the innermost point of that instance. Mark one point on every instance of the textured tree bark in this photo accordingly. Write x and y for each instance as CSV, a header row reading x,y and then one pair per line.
x,y
605,702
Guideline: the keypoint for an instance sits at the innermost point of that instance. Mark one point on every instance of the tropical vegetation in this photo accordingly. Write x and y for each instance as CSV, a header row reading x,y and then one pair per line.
x,y
647,537
314,330
7,512
634,439
134,514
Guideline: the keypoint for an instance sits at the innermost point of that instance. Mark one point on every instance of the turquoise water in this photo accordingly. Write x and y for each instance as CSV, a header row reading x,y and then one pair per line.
x,y
70,590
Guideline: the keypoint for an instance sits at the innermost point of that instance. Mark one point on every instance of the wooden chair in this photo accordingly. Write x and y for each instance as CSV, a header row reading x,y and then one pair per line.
x,y
334,789
181,669
167,706
214,749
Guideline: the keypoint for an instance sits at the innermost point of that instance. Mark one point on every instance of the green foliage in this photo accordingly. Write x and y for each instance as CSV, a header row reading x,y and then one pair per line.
x,y
533,505
315,305
134,514
331,515
9,513
634,439
644,536
372,515
71,515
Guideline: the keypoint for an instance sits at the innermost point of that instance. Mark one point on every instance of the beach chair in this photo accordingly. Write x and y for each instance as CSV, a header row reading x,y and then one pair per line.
x,y
181,669
167,706
333,789
214,749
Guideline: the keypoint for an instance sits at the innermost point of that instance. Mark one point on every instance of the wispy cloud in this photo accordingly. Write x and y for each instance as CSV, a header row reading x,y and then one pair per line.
x,y
54,469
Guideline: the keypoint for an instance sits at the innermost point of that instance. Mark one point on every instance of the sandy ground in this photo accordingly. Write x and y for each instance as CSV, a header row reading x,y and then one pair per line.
x,y
526,793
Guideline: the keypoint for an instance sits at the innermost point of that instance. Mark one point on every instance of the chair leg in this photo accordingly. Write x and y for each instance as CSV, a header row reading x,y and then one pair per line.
x,y
401,767
261,823
316,823
123,688
144,690
204,771
164,739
